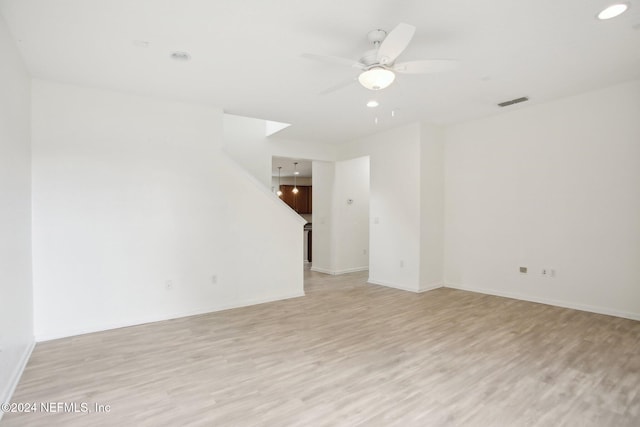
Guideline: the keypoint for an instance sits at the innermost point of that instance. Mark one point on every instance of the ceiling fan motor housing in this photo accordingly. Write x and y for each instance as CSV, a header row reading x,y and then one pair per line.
x,y
370,57
376,37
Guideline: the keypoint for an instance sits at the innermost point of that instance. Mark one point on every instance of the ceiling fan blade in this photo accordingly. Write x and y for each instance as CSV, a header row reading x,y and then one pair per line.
x,y
338,86
336,60
395,43
425,66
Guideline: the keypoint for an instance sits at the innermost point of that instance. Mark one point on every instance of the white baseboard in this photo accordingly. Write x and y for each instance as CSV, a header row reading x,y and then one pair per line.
x,y
17,373
338,272
142,321
431,287
404,288
548,301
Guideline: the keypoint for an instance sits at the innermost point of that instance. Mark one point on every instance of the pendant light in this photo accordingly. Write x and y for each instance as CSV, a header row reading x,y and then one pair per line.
x,y
279,192
295,173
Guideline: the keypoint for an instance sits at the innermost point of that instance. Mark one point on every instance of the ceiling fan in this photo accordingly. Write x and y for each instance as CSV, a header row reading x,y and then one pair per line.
x,y
379,66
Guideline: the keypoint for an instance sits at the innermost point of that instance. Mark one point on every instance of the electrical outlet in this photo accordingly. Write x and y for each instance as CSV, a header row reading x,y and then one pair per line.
x,y
169,284
545,272
552,272
214,279
523,270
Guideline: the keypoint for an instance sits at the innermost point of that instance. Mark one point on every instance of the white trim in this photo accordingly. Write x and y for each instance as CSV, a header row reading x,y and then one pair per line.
x,y
195,312
557,303
338,272
17,373
402,287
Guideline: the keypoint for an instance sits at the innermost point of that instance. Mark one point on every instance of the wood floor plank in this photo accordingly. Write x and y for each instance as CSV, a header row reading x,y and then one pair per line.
x,y
348,354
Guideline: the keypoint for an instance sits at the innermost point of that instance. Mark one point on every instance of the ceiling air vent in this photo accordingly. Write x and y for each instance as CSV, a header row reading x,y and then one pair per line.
x,y
513,101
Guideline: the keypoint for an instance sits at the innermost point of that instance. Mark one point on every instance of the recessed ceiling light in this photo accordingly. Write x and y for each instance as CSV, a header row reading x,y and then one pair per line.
x,y
613,11
372,104
180,56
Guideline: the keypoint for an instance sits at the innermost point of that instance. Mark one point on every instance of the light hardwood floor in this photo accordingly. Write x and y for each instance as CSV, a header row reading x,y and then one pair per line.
x,y
349,354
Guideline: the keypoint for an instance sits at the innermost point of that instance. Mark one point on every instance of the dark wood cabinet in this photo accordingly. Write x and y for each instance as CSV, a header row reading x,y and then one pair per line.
x,y
300,202
287,195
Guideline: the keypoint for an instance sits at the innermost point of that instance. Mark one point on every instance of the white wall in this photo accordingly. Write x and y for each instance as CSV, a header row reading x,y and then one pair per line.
x,y
394,209
555,186
16,302
297,149
351,220
322,217
131,192
341,230
246,143
431,206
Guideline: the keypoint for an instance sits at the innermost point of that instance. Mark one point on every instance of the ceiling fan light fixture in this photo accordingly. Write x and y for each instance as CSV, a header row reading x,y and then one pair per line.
x,y
376,78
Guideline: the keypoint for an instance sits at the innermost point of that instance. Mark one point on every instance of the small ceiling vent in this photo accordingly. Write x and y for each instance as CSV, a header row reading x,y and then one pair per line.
x,y
513,101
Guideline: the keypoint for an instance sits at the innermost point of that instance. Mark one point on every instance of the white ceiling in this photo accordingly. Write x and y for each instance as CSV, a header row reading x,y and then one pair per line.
x,y
246,54
304,167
